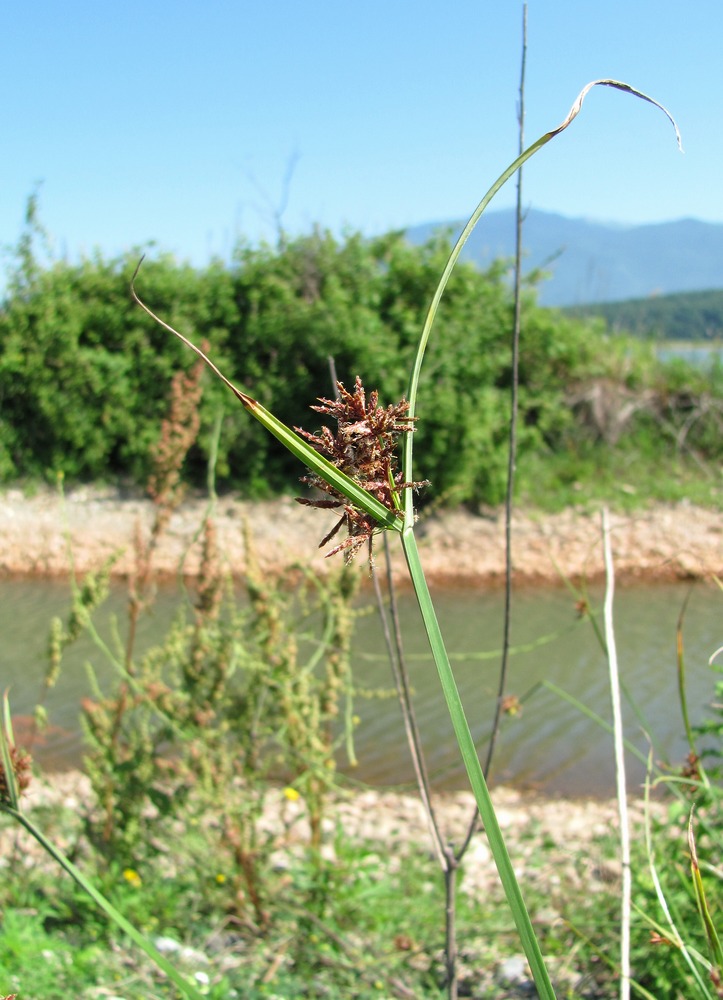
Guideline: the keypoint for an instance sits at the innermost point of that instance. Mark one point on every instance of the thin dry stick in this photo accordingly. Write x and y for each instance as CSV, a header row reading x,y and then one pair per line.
x,y
514,394
612,657
512,450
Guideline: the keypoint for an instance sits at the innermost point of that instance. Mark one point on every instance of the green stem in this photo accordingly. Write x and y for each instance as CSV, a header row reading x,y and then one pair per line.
x,y
474,771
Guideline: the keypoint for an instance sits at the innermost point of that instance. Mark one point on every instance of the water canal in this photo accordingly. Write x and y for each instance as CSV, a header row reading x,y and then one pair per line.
x,y
550,745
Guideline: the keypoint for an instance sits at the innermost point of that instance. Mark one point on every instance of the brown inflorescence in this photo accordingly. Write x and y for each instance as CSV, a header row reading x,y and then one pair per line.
x,y
20,761
364,448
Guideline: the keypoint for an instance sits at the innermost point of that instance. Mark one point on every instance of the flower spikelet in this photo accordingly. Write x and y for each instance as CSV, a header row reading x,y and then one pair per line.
x,y
364,448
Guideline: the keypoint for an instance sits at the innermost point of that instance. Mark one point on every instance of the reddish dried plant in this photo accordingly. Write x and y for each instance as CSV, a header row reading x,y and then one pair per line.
x,y
179,431
364,447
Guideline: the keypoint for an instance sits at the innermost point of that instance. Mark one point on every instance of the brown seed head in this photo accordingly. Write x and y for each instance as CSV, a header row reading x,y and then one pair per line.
x,y
364,448
21,762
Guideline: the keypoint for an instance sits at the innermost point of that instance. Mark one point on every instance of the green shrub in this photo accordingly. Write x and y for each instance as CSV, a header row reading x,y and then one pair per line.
x,y
83,370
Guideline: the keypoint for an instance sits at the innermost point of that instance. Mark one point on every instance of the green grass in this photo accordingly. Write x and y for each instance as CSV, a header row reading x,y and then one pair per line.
x,y
52,965
625,479
342,930
366,923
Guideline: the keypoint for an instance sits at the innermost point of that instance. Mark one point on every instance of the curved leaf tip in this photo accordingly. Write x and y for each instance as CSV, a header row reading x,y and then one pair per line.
x,y
617,85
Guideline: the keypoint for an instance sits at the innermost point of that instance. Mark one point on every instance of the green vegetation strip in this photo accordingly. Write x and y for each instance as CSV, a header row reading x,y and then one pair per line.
x,y
186,987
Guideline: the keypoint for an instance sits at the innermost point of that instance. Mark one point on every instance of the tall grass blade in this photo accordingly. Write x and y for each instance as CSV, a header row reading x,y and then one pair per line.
x,y
7,741
474,772
714,944
683,695
186,988
506,174
692,958
593,716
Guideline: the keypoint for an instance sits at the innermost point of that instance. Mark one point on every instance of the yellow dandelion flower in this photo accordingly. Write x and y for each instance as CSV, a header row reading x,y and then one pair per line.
x,y
131,876
291,794
220,878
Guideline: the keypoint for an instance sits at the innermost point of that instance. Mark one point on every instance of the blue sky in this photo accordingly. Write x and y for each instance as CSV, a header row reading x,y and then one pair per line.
x,y
177,121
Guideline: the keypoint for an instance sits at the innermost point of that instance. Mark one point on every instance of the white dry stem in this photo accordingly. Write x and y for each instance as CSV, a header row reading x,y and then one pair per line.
x,y
618,738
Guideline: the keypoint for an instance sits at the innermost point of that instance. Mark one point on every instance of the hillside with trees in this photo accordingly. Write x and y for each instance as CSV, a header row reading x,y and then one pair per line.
x,y
695,316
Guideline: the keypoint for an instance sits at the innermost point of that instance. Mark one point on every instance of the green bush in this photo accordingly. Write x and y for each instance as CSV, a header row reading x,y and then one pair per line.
x,y
84,373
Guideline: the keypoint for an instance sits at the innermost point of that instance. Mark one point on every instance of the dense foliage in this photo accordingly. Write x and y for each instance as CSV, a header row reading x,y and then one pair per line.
x,y
84,374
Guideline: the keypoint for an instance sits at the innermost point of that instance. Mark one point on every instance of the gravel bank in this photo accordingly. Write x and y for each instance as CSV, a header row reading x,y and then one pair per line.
x,y
544,834
457,548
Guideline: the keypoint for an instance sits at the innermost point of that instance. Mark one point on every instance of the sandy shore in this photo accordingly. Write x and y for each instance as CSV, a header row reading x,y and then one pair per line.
x,y
457,548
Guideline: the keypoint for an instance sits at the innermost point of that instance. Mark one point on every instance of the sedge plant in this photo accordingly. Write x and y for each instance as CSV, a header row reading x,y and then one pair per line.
x,y
383,501
448,855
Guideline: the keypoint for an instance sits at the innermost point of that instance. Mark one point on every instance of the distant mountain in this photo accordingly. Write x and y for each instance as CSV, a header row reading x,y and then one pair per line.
x,y
594,261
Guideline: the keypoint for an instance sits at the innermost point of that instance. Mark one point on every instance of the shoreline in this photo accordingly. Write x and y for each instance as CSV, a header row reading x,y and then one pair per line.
x,y
660,543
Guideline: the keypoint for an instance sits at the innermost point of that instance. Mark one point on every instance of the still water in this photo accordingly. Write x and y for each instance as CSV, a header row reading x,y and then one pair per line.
x,y
702,355
550,745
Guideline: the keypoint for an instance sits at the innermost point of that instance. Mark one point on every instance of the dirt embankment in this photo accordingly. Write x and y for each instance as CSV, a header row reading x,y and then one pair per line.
x,y
458,548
